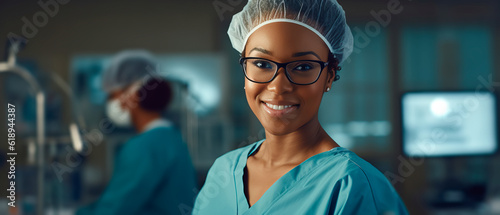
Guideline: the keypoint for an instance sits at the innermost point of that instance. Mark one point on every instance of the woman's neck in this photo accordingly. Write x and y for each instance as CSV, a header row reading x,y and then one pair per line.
x,y
295,147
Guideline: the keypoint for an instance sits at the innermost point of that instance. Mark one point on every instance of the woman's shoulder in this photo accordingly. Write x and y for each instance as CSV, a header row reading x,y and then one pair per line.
x,y
346,162
344,166
356,175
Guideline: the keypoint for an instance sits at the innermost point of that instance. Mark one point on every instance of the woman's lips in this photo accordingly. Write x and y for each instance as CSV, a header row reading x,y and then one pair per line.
x,y
279,110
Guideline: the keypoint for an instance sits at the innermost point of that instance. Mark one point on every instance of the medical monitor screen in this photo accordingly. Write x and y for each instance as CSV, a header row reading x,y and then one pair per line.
x,y
449,123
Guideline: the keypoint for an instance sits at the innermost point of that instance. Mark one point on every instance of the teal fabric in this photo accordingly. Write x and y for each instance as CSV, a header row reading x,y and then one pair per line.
x,y
153,174
332,182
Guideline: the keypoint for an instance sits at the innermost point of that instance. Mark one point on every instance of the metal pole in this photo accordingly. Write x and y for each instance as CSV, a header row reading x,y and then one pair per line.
x,y
40,115
40,123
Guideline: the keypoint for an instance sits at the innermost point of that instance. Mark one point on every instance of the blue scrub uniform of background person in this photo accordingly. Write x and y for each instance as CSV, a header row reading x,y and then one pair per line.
x,y
332,182
153,173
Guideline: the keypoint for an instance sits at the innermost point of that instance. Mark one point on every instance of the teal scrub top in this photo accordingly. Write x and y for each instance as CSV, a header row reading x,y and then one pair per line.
x,y
333,182
153,174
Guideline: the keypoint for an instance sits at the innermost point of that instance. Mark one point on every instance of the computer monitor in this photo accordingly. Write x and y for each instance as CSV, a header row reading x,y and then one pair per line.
x,y
458,123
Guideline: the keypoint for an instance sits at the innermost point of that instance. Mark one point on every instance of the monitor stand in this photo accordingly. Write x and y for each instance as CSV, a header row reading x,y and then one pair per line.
x,y
454,191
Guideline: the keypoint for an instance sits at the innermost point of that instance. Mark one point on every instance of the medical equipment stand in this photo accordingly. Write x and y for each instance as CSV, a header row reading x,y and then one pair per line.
x,y
10,66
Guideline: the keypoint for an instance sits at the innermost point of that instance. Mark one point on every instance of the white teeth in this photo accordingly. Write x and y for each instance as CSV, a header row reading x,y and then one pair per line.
x,y
278,107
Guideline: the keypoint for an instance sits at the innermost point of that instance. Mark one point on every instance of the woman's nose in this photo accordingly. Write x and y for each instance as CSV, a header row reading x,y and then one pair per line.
x,y
280,84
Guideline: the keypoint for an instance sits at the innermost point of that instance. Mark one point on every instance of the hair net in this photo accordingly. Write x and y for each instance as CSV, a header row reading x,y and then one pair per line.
x,y
126,68
326,18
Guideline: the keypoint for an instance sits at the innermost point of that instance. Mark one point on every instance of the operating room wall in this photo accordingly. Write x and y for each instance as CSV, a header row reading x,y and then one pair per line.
x,y
402,56
102,27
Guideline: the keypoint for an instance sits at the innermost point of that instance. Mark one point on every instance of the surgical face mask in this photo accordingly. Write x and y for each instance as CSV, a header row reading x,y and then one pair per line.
x,y
119,116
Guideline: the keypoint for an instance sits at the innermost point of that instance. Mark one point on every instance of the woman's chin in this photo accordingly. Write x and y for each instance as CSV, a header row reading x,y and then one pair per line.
x,y
278,128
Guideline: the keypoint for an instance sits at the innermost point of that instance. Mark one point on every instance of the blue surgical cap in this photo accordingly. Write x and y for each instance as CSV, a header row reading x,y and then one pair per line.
x,y
126,68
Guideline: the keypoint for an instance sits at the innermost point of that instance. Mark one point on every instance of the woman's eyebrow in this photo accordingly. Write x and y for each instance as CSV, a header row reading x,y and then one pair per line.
x,y
299,54
260,50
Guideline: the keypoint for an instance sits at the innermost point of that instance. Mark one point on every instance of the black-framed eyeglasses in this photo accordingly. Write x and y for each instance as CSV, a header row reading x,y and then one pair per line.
x,y
301,72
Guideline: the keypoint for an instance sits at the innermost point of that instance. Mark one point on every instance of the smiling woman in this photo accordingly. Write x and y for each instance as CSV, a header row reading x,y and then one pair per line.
x,y
290,55
288,42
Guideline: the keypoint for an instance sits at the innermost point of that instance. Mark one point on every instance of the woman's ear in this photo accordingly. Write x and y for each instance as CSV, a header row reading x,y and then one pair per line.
x,y
337,76
333,69
332,72
330,78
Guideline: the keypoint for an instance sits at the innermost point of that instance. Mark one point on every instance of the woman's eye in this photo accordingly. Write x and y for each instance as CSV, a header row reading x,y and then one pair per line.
x,y
303,67
263,64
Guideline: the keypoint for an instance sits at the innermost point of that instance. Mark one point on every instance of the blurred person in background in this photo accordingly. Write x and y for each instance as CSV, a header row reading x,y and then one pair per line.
x,y
290,52
153,172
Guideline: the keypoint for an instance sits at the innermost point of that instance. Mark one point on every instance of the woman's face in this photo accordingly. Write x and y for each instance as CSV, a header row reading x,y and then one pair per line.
x,y
284,42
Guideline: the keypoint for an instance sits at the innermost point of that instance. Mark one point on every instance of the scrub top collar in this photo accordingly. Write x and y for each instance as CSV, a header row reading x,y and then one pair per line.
x,y
157,123
282,185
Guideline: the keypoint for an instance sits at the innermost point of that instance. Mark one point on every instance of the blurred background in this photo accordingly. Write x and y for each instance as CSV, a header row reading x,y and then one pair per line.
x,y
420,49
